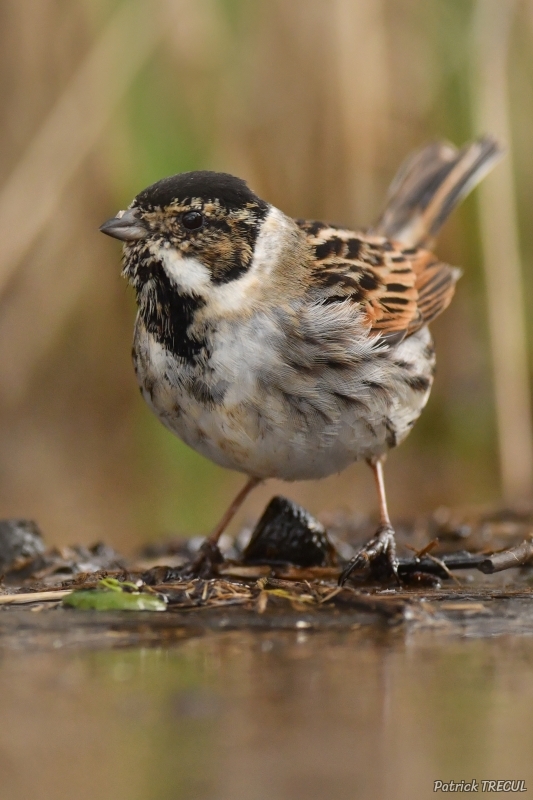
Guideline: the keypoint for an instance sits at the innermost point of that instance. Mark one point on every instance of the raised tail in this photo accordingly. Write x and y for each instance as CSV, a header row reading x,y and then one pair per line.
x,y
428,186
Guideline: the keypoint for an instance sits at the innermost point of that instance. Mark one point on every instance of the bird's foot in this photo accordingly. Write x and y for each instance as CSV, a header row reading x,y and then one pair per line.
x,y
205,563
376,560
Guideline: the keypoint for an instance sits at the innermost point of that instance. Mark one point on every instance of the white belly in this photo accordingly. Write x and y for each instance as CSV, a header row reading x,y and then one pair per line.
x,y
249,412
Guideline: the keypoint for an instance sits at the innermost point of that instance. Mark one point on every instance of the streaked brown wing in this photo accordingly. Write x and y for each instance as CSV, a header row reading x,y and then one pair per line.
x,y
435,284
398,289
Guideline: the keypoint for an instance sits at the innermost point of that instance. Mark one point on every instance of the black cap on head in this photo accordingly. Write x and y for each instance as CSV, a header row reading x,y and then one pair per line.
x,y
228,189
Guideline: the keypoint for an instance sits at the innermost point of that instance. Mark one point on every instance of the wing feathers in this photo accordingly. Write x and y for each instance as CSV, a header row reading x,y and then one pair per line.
x,y
430,184
435,284
397,289
398,285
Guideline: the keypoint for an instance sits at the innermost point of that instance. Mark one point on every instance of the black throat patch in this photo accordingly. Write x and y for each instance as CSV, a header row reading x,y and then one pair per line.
x,y
168,314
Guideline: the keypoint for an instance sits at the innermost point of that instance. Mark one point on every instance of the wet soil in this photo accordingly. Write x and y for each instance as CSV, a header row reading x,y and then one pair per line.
x,y
275,685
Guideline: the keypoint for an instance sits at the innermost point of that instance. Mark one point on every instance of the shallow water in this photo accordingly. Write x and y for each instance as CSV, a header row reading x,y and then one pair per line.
x,y
279,716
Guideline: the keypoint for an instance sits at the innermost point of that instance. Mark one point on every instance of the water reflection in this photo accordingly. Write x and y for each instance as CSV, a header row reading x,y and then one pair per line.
x,y
279,716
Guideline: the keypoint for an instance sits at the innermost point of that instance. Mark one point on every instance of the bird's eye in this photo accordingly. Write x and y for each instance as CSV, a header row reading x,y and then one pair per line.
x,y
192,220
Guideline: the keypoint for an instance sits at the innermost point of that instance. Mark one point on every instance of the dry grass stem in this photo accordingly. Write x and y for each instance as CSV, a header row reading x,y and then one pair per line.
x,y
501,252
71,130
33,597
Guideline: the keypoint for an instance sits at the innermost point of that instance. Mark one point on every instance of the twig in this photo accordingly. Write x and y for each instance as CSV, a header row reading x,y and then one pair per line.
x,y
507,559
424,550
445,567
332,594
33,597
245,571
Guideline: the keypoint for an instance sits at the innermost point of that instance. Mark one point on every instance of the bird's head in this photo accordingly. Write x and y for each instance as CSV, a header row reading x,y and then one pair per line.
x,y
196,230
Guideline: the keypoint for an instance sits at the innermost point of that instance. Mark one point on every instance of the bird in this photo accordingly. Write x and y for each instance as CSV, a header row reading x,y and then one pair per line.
x,y
290,348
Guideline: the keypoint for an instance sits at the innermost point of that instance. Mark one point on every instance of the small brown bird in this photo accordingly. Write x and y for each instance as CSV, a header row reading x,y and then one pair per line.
x,y
287,348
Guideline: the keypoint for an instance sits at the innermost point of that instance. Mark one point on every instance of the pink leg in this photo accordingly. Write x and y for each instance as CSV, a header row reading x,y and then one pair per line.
x,y
377,558
209,554
377,469
223,523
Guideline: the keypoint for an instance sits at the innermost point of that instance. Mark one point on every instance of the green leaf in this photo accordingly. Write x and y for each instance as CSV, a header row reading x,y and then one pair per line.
x,y
114,596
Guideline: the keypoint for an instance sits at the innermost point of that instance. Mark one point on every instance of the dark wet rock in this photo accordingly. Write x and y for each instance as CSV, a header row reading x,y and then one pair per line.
x,y
287,533
20,540
50,567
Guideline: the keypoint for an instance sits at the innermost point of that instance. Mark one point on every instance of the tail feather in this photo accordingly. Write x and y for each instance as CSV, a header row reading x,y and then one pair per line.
x,y
429,185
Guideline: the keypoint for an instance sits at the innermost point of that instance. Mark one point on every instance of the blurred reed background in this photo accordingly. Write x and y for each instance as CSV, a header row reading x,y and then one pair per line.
x,y
315,103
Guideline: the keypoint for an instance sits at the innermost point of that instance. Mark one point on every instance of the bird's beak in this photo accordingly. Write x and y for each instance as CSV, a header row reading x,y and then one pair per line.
x,y
125,226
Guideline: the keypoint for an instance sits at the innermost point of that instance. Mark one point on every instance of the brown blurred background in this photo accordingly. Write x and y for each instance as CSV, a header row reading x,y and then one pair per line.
x,y
315,103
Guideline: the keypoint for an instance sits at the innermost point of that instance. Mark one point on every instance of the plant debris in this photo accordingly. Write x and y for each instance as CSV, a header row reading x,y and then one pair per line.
x,y
113,595
284,573
23,598
507,559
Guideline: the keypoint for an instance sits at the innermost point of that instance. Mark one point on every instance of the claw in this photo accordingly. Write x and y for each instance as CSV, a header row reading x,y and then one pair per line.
x,y
377,558
204,565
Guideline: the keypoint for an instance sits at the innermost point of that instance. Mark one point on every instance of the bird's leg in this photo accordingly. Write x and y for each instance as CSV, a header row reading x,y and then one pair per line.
x,y
377,470
377,557
209,553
